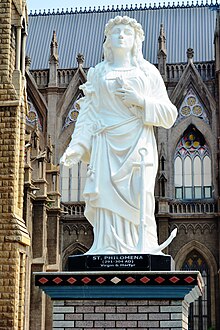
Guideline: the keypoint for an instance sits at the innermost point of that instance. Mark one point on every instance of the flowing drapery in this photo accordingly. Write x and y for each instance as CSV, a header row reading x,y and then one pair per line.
x,y
111,134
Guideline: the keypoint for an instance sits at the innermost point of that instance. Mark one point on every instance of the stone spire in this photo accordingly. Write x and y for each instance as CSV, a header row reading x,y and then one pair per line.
x,y
54,49
53,61
217,56
162,53
162,40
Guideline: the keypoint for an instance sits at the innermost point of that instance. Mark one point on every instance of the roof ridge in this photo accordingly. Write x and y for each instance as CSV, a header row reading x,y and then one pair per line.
x,y
113,8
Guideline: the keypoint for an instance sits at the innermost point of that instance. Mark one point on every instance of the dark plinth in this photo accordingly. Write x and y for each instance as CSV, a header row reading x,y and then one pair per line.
x,y
120,262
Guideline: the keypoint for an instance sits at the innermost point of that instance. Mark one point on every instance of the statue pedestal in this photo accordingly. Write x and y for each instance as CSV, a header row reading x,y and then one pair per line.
x,y
123,299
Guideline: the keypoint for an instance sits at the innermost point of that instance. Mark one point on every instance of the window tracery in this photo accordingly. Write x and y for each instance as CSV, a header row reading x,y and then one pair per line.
x,y
73,113
33,117
192,166
191,106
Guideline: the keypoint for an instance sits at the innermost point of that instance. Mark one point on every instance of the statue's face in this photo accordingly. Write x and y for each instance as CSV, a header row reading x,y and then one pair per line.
x,y
122,36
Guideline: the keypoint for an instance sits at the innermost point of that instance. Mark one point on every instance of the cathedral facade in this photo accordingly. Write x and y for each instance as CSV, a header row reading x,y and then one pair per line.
x,y
42,217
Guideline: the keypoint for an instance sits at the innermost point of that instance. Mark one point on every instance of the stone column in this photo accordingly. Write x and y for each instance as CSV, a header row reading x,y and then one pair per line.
x,y
18,48
23,50
52,91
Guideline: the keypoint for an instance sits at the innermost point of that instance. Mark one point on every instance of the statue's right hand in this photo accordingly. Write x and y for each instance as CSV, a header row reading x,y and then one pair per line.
x,y
72,156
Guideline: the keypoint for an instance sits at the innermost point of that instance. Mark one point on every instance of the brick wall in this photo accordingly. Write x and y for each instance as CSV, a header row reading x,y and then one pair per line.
x,y
120,314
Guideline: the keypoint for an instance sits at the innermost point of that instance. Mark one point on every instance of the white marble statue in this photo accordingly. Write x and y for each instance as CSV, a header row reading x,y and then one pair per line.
x,y
125,97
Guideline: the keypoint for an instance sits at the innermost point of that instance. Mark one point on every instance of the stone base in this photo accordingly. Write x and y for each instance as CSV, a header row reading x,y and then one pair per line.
x,y
121,300
120,262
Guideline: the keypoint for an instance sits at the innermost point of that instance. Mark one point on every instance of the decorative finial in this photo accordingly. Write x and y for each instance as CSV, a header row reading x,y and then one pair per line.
x,y
190,53
27,62
54,38
80,59
162,33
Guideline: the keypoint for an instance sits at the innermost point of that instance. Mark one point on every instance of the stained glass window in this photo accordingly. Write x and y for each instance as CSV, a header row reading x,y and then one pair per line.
x,y
192,166
200,310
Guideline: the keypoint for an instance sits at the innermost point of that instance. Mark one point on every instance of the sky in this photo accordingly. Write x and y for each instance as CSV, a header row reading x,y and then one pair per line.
x,y
54,4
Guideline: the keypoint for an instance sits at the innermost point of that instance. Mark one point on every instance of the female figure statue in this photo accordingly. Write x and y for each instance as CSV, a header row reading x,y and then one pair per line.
x,y
124,98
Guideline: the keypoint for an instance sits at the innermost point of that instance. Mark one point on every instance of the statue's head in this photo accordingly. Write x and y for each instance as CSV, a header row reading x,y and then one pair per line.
x,y
136,51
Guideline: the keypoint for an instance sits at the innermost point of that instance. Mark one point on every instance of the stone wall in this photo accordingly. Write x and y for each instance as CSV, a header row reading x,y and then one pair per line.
x,y
120,314
13,233
14,237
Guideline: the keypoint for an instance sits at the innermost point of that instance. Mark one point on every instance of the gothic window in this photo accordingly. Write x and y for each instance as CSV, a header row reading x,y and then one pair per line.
x,y
162,163
200,310
162,181
192,166
73,182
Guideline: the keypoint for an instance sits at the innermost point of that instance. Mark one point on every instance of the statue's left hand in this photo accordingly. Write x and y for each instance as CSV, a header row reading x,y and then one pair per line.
x,y
72,155
129,96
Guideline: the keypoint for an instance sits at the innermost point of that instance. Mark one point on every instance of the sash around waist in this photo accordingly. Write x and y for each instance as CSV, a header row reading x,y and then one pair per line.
x,y
99,127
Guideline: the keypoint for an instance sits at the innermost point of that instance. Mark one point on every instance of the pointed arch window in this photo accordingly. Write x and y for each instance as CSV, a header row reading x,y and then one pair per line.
x,y
200,310
192,166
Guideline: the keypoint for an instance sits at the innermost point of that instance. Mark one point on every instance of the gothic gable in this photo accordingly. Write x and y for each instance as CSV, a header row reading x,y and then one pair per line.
x,y
37,103
68,109
191,82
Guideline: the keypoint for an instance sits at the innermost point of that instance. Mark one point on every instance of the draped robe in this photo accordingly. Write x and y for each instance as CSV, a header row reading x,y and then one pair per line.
x,y
111,135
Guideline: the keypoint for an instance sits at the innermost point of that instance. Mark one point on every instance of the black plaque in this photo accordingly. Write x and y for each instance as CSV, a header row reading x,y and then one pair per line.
x,y
120,262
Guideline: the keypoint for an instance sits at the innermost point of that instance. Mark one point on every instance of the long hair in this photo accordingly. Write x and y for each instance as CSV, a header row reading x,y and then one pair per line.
x,y
137,55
